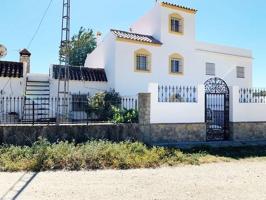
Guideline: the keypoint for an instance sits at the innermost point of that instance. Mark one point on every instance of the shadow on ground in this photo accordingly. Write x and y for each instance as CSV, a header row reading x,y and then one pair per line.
x,y
19,186
231,152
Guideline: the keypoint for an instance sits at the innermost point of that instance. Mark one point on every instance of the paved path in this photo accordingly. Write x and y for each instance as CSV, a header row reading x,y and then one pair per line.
x,y
222,181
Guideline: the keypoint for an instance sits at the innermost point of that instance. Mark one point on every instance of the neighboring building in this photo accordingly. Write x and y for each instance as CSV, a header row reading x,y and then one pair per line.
x,y
12,75
24,94
161,47
82,80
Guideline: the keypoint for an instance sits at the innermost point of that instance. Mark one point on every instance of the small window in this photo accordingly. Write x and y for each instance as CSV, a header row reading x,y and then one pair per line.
x,y
240,72
176,64
175,24
142,60
210,69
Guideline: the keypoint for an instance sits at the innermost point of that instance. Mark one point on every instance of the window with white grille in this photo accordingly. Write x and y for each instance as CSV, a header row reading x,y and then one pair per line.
x,y
210,69
240,72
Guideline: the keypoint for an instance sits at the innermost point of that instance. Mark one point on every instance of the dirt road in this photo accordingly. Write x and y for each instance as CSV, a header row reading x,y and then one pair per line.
x,y
221,181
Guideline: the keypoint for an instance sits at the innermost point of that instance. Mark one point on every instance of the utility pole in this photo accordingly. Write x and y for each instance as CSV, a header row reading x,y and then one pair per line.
x,y
63,73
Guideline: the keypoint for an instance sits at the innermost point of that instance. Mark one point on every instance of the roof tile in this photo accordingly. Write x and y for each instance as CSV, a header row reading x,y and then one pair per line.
x,y
82,73
179,6
135,37
11,69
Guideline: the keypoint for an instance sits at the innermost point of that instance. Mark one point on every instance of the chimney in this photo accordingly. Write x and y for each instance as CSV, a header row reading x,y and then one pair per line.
x,y
25,59
98,38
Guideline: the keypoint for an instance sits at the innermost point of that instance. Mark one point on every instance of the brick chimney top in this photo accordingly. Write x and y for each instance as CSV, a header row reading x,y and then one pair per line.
x,y
24,52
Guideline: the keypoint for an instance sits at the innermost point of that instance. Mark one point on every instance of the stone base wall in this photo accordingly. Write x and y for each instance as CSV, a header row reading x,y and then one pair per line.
x,y
248,131
149,134
173,133
26,135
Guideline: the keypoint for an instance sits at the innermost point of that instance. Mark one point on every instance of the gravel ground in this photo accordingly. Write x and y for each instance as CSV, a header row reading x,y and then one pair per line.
x,y
221,181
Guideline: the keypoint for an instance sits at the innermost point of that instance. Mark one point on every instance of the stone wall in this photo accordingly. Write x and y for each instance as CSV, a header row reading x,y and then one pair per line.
x,y
248,131
144,105
26,135
148,133
173,133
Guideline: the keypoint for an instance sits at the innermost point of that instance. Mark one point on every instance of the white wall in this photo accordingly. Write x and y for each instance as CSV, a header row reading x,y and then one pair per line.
x,y
129,82
12,87
245,112
189,28
117,57
79,87
150,23
226,59
104,57
162,112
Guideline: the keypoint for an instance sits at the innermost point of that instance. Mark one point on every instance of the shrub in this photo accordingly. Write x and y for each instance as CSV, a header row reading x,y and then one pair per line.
x,y
124,115
108,155
101,104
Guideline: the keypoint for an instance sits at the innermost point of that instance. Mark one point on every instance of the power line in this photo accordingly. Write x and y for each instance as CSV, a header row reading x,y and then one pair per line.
x,y
40,24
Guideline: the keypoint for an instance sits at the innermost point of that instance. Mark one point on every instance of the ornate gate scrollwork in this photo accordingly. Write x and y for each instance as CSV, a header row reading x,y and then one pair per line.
x,y
217,109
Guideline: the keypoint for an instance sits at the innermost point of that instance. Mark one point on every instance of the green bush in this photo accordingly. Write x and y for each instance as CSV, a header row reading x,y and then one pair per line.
x,y
124,115
108,155
101,104
91,155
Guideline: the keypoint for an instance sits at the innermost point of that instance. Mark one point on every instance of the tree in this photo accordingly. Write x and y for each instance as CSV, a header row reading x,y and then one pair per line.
x,y
80,45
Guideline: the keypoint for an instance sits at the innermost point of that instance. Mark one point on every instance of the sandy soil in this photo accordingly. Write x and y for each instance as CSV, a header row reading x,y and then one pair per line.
x,y
221,181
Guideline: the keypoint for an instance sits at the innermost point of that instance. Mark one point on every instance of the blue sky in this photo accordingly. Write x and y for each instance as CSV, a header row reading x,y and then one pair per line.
x,y
230,22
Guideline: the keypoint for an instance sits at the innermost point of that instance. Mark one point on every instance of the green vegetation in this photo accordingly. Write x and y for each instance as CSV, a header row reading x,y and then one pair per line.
x,y
102,104
81,44
106,106
107,155
124,115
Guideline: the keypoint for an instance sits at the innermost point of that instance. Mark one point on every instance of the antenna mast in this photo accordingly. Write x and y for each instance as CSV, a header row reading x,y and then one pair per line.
x,y
63,74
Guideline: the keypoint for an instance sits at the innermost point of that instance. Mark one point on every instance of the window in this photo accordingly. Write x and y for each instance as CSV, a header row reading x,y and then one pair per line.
x,y
175,24
142,60
176,64
240,72
210,69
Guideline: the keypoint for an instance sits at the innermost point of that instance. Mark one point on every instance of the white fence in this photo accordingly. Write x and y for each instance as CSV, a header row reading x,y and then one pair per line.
x,y
185,111
187,104
247,105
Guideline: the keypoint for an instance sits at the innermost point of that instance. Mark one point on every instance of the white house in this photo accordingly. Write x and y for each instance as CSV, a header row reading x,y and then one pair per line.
x,y
161,47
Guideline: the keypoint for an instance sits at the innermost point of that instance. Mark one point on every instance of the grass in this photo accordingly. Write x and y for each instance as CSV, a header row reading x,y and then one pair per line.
x,y
107,155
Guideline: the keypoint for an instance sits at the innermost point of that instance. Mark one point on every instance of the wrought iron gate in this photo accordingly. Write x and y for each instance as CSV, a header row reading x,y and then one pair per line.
x,y
217,109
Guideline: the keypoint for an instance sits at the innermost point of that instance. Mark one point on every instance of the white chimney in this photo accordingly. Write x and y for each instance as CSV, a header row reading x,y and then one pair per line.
x,y
98,38
25,59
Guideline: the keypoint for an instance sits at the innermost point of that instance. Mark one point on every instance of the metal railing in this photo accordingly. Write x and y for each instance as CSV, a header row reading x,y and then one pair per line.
x,y
252,95
185,94
24,110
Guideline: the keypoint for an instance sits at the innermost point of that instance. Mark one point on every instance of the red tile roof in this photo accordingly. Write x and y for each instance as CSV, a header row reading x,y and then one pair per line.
x,y
82,73
179,6
11,69
135,37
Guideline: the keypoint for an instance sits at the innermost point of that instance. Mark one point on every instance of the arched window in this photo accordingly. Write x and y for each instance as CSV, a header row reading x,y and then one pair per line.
x,y
142,60
176,64
176,24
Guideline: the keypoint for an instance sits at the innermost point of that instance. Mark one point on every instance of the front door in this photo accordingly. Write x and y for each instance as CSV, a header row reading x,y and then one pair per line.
x,y
217,109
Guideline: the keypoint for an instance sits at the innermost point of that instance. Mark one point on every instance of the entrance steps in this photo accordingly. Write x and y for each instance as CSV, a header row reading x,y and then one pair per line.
x,y
37,98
